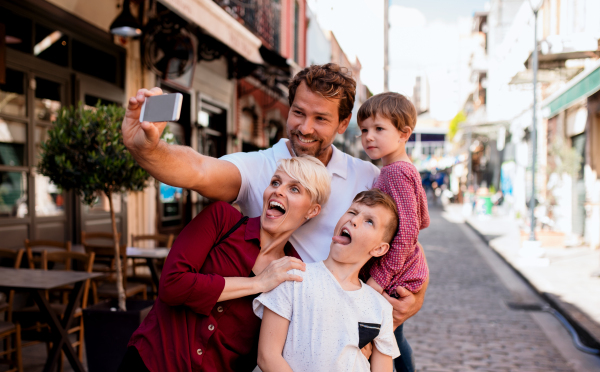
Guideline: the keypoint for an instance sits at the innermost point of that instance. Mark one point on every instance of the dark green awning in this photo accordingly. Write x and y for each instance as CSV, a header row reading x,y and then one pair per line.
x,y
585,87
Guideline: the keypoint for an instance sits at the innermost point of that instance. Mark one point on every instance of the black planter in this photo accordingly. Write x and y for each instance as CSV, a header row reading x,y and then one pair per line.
x,y
107,332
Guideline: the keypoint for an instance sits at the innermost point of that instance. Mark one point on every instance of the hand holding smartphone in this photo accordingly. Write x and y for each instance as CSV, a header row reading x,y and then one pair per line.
x,y
165,107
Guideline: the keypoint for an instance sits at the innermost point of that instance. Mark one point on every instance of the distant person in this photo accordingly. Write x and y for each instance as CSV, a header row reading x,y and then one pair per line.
x,y
203,318
323,322
321,99
386,122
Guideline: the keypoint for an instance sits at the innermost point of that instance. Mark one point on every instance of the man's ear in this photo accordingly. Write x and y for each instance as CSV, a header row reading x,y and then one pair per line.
x,y
344,124
380,250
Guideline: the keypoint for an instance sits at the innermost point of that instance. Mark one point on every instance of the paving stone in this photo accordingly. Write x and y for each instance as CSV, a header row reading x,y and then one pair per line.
x,y
464,324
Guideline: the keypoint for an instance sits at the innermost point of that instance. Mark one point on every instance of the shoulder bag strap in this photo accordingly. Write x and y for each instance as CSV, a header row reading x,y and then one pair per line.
x,y
235,227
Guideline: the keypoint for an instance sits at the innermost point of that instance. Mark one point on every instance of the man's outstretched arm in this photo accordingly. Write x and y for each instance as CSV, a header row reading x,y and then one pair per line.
x,y
175,165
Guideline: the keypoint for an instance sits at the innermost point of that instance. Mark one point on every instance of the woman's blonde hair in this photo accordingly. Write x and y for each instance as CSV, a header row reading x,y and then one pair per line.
x,y
311,174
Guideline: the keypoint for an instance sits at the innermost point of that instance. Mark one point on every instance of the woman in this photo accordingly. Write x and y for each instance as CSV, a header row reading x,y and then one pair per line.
x,y
203,318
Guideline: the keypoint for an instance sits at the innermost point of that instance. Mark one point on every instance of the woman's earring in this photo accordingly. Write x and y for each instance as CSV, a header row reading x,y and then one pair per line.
x,y
307,218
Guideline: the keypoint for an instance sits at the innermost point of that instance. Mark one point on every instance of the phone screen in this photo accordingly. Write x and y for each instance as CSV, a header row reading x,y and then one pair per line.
x,y
166,107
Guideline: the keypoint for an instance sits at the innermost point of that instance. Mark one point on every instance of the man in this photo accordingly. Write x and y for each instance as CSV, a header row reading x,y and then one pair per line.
x,y
321,100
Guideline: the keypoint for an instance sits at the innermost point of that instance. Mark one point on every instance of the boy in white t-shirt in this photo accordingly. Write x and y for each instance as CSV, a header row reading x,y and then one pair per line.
x,y
323,322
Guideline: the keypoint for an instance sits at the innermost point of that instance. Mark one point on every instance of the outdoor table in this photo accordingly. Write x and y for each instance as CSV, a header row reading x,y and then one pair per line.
x,y
37,282
151,255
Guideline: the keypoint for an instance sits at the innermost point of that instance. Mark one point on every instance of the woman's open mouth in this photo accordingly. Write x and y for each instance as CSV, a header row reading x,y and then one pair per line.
x,y
344,238
275,209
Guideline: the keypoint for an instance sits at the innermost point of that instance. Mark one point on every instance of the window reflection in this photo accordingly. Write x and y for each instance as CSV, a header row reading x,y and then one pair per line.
x,y
12,94
18,30
13,194
51,45
47,99
49,198
102,205
13,139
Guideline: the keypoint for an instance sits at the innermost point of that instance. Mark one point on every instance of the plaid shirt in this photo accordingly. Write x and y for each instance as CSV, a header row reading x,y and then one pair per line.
x,y
404,265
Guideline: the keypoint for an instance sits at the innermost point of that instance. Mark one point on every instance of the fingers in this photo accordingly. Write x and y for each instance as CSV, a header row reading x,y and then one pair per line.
x,y
289,263
295,278
403,292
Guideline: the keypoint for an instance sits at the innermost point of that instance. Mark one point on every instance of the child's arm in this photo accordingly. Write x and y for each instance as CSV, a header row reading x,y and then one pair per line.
x,y
406,190
374,285
381,362
273,332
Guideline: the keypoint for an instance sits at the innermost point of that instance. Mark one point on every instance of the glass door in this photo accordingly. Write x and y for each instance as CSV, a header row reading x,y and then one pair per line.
x,y
31,206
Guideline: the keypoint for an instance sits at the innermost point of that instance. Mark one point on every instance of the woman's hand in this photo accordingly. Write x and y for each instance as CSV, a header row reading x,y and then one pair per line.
x,y
277,273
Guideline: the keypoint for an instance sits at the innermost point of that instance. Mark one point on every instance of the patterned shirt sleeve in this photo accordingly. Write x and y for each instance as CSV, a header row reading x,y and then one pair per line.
x,y
402,182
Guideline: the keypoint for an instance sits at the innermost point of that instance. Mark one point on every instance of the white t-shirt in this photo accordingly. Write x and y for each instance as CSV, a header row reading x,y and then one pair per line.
x,y
349,177
328,325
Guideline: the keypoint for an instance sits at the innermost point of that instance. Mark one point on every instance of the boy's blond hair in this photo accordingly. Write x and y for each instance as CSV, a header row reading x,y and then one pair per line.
x,y
311,174
392,106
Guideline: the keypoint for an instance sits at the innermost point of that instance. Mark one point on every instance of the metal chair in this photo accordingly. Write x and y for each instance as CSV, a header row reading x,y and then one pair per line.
x,y
10,333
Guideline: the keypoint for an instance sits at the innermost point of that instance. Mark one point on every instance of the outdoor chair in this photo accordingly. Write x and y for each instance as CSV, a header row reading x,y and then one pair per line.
x,y
148,241
37,331
10,333
105,287
34,247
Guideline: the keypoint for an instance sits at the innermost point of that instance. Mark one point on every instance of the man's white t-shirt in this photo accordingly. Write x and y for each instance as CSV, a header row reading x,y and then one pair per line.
x,y
349,177
328,325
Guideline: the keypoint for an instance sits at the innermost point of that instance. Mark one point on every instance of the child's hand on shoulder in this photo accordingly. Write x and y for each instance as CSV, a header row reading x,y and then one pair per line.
x,y
371,282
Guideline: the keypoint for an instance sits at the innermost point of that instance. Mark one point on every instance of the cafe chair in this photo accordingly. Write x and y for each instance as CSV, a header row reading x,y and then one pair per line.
x,y
149,242
65,261
105,287
10,333
35,247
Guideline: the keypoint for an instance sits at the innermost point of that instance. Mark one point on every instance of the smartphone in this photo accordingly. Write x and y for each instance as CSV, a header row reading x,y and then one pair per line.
x,y
166,107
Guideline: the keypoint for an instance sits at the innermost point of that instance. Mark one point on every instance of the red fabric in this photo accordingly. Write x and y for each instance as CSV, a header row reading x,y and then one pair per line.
x,y
404,265
182,319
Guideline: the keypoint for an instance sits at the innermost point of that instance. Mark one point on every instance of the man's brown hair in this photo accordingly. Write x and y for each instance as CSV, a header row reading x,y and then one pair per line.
x,y
393,106
330,81
376,197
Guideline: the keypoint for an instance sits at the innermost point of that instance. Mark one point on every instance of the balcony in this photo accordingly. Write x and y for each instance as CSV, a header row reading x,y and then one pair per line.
x,y
261,17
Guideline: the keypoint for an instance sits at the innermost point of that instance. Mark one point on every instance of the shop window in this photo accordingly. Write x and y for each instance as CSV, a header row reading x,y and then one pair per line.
x,y
12,94
13,140
94,62
49,198
91,101
47,99
18,30
13,194
51,45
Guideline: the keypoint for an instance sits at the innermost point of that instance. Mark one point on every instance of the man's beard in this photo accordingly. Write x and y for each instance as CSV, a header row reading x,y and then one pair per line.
x,y
299,150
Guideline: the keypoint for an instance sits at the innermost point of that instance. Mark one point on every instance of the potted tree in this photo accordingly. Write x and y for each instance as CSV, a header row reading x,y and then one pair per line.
x,y
85,153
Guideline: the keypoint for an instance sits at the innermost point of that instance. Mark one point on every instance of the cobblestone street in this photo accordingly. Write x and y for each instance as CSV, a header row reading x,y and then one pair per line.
x,y
465,323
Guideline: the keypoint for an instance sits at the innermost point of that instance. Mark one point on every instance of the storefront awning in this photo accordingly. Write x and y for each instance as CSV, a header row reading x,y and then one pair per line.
x,y
219,24
582,86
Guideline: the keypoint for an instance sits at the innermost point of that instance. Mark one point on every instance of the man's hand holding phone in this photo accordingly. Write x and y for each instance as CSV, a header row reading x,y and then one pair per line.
x,y
143,136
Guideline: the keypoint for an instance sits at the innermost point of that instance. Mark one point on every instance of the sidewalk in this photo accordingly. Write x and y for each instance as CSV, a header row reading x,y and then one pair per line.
x,y
566,281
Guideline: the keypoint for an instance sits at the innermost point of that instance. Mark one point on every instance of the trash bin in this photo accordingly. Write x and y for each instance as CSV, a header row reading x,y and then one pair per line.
x,y
485,205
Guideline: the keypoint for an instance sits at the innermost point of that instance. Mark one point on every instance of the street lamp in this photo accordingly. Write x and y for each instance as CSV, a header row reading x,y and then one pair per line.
x,y
125,24
535,6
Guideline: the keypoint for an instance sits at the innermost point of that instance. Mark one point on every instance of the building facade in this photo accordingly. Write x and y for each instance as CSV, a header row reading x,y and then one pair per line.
x,y
230,60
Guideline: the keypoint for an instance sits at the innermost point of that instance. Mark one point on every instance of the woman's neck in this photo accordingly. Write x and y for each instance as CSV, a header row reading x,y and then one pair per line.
x,y
271,248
